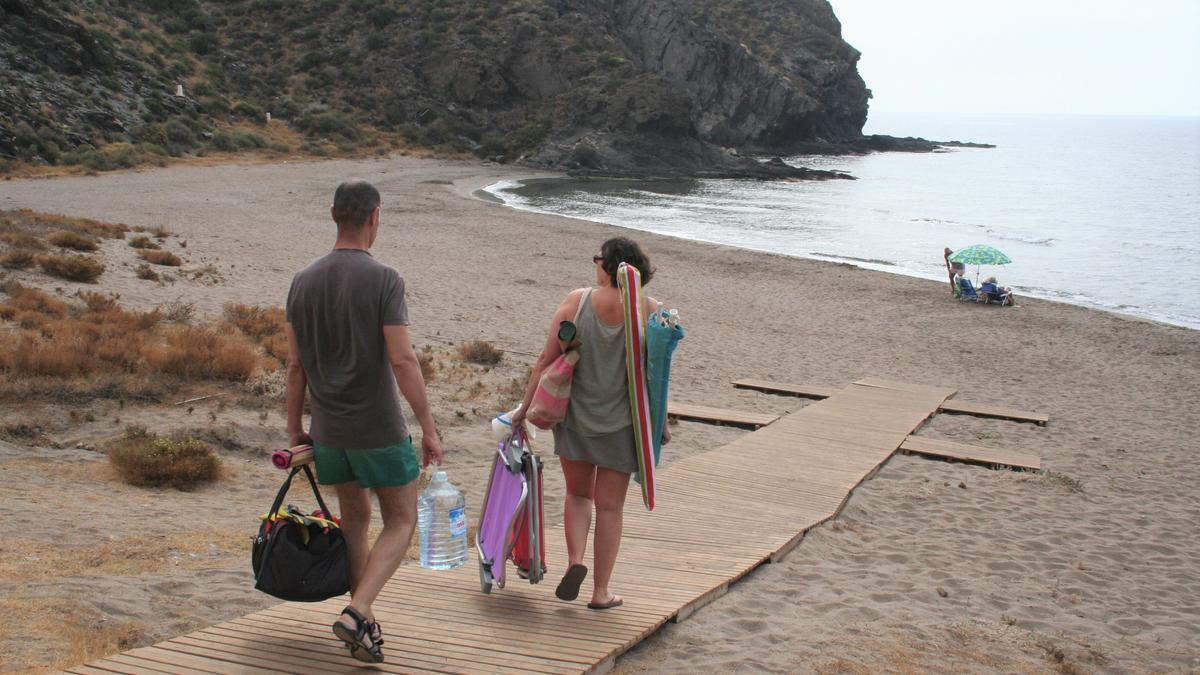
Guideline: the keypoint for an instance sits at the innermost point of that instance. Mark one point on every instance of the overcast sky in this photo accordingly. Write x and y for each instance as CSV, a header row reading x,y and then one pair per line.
x,y
1028,56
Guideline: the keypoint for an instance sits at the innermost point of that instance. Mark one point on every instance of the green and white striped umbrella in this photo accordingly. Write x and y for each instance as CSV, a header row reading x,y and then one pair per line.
x,y
980,254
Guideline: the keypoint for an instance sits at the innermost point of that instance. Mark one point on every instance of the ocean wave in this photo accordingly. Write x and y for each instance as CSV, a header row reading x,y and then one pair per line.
x,y
850,258
1033,241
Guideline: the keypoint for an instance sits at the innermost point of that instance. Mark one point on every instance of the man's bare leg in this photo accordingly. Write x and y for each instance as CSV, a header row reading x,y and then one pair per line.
x,y
355,503
398,505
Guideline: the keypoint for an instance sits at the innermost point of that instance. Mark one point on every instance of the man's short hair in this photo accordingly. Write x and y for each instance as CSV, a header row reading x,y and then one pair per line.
x,y
353,202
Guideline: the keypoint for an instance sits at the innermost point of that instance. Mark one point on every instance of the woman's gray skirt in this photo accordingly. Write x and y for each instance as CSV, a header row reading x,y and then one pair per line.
x,y
614,451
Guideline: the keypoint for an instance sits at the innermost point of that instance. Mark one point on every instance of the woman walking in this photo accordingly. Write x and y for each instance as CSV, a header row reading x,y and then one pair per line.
x,y
595,443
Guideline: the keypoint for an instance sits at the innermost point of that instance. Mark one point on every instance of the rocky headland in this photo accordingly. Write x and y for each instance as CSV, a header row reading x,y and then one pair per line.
x,y
591,87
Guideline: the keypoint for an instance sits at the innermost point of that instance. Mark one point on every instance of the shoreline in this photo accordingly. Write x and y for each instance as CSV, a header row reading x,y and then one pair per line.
x,y
486,194
930,566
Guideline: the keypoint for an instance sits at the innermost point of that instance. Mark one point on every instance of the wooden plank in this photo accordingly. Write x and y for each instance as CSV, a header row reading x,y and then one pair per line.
x,y
957,407
881,383
786,389
719,416
971,454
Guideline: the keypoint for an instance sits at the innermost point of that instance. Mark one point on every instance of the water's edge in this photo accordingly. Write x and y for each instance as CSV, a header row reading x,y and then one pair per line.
x,y
496,193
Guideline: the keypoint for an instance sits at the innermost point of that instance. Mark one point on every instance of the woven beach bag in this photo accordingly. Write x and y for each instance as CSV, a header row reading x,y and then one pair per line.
x,y
553,393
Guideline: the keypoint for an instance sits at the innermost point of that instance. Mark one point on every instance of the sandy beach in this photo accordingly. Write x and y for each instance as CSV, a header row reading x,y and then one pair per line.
x,y
1091,566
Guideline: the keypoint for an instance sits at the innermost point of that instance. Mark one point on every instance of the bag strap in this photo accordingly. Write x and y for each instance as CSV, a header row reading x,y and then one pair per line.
x,y
287,483
583,298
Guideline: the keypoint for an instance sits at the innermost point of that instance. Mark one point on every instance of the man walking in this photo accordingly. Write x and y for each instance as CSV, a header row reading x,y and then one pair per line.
x,y
348,345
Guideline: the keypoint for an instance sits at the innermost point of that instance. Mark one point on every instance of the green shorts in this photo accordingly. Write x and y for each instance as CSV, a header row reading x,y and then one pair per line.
x,y
391,466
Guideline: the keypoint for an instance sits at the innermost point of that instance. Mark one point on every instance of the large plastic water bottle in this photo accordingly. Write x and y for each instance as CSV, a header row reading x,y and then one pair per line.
x,y
442,522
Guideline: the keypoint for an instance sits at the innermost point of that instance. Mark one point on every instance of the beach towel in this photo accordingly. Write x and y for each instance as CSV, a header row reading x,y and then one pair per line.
x,y
629,282
662,337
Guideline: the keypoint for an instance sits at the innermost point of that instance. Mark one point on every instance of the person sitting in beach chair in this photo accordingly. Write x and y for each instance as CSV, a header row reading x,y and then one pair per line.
x,y
966,290
990,291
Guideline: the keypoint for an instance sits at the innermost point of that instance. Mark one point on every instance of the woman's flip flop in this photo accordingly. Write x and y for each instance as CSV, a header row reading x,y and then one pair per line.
x,y
613,602
568,588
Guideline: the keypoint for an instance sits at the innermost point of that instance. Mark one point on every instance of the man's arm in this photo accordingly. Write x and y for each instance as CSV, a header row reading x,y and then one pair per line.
x,y
297,385
412,385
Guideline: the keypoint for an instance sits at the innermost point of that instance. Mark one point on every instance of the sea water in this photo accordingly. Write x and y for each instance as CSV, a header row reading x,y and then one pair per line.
x,y
1097,211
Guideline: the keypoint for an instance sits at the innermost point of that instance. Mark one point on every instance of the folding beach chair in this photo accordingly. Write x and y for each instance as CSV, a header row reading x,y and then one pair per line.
x,y
511,524
967,291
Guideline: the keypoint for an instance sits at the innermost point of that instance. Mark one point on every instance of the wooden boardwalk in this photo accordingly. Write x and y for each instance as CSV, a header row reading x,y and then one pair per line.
x,y
971,454
719,416
720,514
950,406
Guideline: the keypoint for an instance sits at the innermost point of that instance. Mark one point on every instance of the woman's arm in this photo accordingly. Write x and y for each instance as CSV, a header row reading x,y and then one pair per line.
x,y
550,351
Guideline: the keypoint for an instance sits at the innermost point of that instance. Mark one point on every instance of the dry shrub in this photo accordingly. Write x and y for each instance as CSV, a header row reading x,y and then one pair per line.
x,y
160,232
148,460
98,302
17,260
256,322
76,240
263,324
74,267
428,363
23,240
97,349
26,219
142,241
61,356
481,352
191,351
276,346
147,272
157,257
24,297
178,311
29,319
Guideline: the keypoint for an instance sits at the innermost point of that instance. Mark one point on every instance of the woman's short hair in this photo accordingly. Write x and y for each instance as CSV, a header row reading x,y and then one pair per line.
x,y
623,250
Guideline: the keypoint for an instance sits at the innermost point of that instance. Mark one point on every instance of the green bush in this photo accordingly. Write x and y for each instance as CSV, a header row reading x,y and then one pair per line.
x,y
178,133
527,137
145,459
203,43
230,141
249,111
329,123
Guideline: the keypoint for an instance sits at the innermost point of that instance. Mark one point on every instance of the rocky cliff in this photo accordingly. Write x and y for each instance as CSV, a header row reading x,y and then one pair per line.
x,y
609,86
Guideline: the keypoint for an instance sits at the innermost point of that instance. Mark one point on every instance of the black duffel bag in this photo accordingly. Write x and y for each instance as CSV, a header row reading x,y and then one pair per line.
x,y
297,557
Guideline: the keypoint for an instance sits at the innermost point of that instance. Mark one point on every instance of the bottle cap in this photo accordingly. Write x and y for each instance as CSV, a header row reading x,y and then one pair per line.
x,y
440,476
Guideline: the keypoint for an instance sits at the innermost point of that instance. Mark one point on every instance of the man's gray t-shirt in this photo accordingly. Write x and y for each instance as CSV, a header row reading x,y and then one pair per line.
x,y
338,307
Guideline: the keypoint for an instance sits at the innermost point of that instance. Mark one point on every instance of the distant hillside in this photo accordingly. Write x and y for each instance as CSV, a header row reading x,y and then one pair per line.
x,y
620,86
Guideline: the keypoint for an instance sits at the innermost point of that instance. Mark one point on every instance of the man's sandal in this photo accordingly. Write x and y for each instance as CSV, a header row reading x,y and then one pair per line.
x,y
358,638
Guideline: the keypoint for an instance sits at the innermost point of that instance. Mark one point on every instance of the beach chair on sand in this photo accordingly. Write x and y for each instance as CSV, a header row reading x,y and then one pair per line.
x,y
966,290
511,524
990,292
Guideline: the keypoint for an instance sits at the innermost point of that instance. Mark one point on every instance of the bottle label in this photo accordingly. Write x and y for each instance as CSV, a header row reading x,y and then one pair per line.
x,y
458,522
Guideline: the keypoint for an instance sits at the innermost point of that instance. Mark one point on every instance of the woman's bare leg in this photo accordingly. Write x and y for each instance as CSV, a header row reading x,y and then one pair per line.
x,y
610,489
577,507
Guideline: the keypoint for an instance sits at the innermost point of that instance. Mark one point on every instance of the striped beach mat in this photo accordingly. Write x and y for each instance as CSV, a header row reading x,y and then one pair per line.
x,y
629,281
